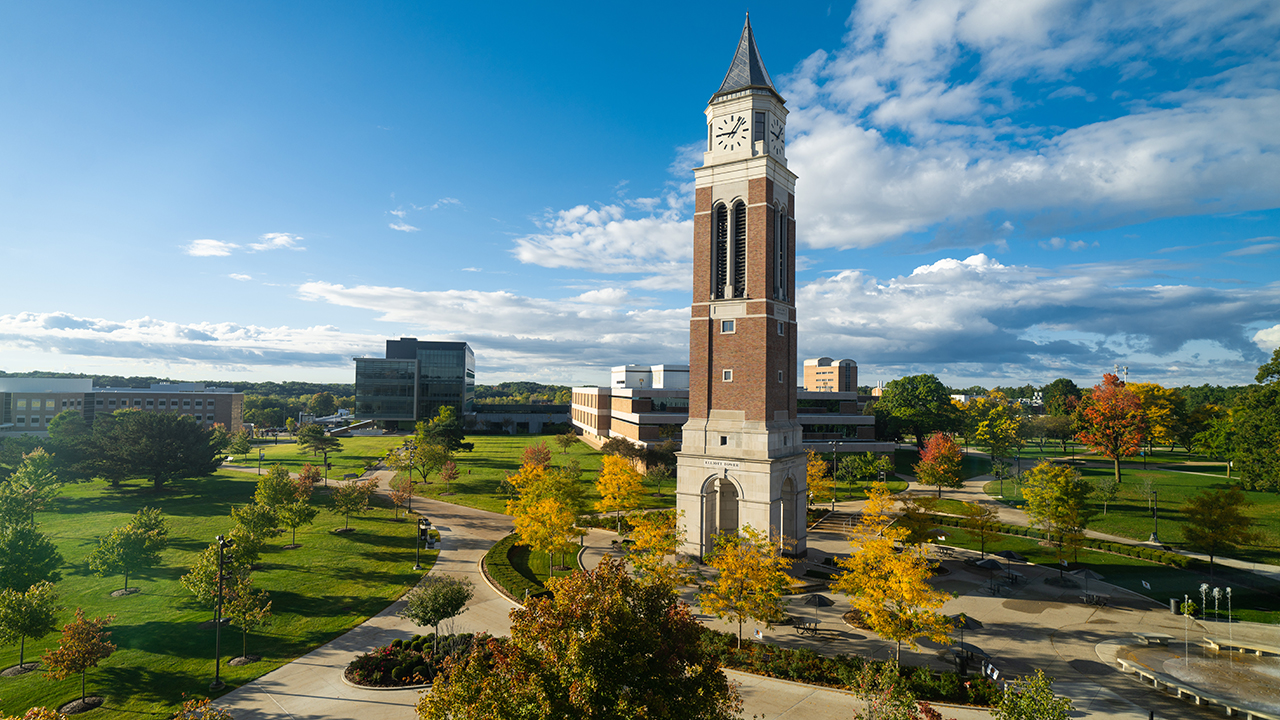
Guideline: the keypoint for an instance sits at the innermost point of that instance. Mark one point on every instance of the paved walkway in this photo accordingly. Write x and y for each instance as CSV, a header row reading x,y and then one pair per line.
x,y
1038,626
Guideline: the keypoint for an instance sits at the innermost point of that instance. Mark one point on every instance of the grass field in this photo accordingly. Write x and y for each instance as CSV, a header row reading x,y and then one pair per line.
x,y
330,585
496,456
356,453
1129,573
1129,515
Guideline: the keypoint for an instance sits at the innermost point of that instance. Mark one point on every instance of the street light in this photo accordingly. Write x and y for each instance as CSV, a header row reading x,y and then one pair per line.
x,y
422,538
1155,517
259,462
217,684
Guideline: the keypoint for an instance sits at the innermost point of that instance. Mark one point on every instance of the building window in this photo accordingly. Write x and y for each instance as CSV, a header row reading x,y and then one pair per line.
x,y
724,440
199,403
757,132
210,404
22,404
97,403
64,403
728,376
150,402
199,417
780,253
739,249
720,252
781,328
779,376
137,402
726,327
162,403
110,403
22,420
186,403
48,403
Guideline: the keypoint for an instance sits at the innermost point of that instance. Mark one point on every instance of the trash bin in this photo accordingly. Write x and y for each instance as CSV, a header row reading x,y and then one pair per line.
x,y
1173,605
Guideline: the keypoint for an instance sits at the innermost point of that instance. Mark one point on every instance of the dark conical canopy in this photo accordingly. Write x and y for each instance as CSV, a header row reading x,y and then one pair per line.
x,y
747,69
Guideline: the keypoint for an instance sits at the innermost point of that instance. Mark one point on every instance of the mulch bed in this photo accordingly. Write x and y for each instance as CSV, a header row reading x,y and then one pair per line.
x,y
81,705
292,547
122,593
339,531
244,660
853,618
208,624
17,670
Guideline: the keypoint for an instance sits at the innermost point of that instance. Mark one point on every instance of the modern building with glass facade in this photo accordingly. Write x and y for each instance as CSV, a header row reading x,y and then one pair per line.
x,y
414,380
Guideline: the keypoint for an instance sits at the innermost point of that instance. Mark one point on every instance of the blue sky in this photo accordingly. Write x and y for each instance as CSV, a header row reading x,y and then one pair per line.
x,y
994,192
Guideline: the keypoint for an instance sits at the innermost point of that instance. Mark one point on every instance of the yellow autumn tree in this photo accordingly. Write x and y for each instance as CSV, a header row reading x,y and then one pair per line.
x,y
619,487
1165,410
656,535
544,511
752,579
822,486
889,587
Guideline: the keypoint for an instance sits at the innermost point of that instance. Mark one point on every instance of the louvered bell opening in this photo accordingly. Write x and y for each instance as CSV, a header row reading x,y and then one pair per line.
x,y
739,250
720,253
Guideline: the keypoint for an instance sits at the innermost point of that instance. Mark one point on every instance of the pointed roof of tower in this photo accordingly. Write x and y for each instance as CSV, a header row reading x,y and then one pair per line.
x,y
747,69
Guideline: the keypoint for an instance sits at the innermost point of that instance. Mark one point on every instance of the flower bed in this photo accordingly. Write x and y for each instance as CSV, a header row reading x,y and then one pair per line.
x,y
806,666
407,663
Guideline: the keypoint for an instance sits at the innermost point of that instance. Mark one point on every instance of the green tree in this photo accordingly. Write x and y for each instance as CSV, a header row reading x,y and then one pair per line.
x,y
29,489
291,426
1106,489
308,434
131,547
436,599
202,579
1256,421
276,488
1060,397
71,444
566,441
919,403
859,466
161,447
296,514
352,497
1217,523
29,614
1058,500
322,404
1031,698
27,557
82,646
1218,440
983,521
248,609
446,429
240,443
751,579
578,655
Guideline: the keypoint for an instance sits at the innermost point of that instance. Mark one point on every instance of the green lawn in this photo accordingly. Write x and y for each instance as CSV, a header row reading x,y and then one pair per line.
x,y
534,565
318,592
356,452
1166,582
496,456
1129,516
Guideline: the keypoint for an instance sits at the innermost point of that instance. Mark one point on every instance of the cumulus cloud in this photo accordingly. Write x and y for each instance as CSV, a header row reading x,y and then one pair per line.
x,y
402,227
913,125
997,319
1268,339
150,339
209,248
276,241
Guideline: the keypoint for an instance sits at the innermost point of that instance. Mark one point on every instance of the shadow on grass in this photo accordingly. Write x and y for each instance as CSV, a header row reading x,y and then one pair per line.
x,y
156,686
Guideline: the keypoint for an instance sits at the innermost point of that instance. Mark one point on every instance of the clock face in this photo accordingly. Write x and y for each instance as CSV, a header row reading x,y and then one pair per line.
x,y
731,132
777,136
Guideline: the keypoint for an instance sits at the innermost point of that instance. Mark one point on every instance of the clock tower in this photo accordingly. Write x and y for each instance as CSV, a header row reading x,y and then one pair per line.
x,y
742,460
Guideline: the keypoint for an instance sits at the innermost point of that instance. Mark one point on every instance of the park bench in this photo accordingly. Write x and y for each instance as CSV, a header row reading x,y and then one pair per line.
x,y
1154,638
807,628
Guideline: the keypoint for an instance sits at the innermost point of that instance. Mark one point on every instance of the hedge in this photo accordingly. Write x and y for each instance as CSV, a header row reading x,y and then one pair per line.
x,y
497,563
1162,557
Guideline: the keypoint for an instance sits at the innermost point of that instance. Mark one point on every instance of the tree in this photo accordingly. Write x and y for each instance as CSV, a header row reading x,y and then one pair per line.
x,y
449,474
29,614
307,434
886,693
566,441
352,496
752,579
1256,420
1216,522
296,514
291,426
853,468
240,443
445,429
29,489
890,587
1057,427
247,609
161,447
1218,440
619,486
538,455
818,478
401,492
919,403
578,654
1060,397
27,557
1110,421
131,547
544,524
276,488
620,447
940,463
426,457
436,599
257,519
202,579
1106,489
82,646
983,520
1058,500
994,422
656,534
322,404
1032,698
1164,410
325,445
71,444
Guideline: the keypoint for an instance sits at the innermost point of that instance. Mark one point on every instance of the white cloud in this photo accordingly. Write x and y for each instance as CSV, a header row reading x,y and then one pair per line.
x,y
1268,339
276,241
1054,243
400,213
471,269
240,276
1259,249
403,227
910,127
209,248
444,202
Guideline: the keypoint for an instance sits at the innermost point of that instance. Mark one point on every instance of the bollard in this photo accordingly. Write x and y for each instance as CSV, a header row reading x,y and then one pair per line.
x,y
1173,605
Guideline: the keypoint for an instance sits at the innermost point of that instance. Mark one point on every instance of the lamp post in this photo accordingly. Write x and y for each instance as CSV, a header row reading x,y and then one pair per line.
x,y
1155,515
1231,633
259,462
217,684
417,546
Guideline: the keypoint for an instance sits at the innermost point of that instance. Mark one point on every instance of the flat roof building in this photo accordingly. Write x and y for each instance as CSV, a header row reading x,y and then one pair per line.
x,y
826,375
27,405
414,380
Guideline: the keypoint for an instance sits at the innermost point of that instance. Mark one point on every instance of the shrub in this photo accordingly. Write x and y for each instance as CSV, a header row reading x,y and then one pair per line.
x,y
497,563
390,666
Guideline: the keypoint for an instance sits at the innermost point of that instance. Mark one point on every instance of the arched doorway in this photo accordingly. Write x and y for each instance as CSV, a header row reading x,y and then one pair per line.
x,y
720,509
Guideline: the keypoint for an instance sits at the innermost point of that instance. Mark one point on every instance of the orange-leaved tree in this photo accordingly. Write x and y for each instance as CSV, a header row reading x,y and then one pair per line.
x,y
83,645
1110,421
619,486
889,587
940,463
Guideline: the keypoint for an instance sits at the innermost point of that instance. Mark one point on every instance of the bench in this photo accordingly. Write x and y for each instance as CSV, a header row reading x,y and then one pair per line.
x,y
807,628
1098,599
1154,638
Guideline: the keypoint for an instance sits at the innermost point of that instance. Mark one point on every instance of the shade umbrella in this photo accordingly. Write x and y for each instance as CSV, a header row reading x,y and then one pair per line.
x,y
818,600
1088,575
990,564
973,650
1010,555
964,622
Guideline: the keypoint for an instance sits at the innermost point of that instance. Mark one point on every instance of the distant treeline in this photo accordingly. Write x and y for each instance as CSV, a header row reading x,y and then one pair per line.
x,y
1195,396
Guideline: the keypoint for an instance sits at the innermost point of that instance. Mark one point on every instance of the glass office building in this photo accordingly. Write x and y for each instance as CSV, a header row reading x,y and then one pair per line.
x,y
414,380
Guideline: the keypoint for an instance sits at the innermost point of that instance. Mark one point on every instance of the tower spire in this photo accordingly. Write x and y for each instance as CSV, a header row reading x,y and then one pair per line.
x,y
747,69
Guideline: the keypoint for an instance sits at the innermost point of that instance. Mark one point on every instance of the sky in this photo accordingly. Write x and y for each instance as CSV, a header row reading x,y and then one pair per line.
x,y
994,192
